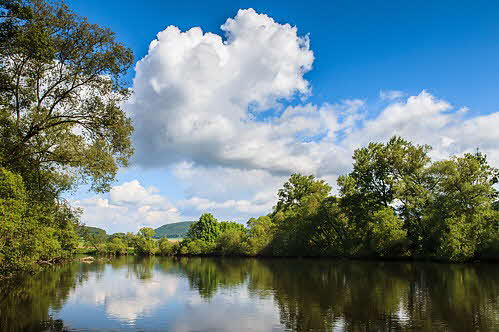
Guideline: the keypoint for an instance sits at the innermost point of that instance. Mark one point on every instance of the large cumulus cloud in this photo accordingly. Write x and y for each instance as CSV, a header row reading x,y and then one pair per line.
x,y
197,95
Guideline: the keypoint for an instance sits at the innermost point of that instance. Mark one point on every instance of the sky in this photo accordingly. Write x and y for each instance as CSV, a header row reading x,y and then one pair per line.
x,y
231,97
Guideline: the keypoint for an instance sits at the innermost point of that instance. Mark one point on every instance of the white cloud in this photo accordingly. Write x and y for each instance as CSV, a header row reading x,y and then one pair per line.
x,y
196,96
228,193
134,193
423,119
391,94
129,207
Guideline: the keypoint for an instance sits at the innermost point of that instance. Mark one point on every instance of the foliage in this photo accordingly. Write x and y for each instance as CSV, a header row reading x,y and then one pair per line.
x,y
93,236
332,232
60,100
198,247
299,200
30,232
387,232
166,248
116,247
260,235
61,124
207,229
144,244
298,189
232,241
395,202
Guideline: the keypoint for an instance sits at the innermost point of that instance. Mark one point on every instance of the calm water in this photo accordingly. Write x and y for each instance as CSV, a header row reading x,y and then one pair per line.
x,y
215,294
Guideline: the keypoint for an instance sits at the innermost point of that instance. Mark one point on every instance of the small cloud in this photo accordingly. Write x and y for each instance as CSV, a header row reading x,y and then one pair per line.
x,y
391,94
128,207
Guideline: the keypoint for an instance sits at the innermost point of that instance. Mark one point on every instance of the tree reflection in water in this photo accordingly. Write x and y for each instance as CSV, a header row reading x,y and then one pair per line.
x,y
309,294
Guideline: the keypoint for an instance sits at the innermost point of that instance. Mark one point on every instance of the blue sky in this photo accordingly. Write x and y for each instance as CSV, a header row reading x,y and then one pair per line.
x,y
377,69
448,47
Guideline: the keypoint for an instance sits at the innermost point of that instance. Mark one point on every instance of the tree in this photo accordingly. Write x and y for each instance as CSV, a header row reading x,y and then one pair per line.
x,y
207,229
94,236
332,232
144,243
116,246
12,13
461,210
61,123
232,241
299,188
388,235
165,247
260,235
61,90
199,247
298,202
31,232
392,175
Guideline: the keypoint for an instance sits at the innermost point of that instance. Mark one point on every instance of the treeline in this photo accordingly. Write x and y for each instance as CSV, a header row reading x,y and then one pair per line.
x,y
61,125
394,203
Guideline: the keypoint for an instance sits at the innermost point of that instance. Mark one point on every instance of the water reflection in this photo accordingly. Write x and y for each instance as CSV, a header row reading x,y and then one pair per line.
x,y
249,294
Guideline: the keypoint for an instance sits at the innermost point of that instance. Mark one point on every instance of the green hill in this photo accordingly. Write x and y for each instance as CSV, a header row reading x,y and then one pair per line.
x,y
175,230
89,230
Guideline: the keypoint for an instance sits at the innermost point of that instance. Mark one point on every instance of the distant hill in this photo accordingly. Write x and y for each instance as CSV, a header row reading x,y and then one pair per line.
x,y
175,230
93,230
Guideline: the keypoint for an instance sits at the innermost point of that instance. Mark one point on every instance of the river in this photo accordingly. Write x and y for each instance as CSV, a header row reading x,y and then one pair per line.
x,y
246,294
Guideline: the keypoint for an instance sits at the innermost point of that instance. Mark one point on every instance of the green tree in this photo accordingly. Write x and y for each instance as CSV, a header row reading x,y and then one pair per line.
x,y
388,235
232,241
260,236
60,100
31,232
207,229
144,244
392,175
299,200
166,247
61,123
199,247
298,189
332,232
116,246
93,236
461,211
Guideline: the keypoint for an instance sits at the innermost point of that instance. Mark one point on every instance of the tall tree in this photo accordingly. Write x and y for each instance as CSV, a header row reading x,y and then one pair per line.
x,y
61,122
461,210
393,176
297,205
207,229
61,92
